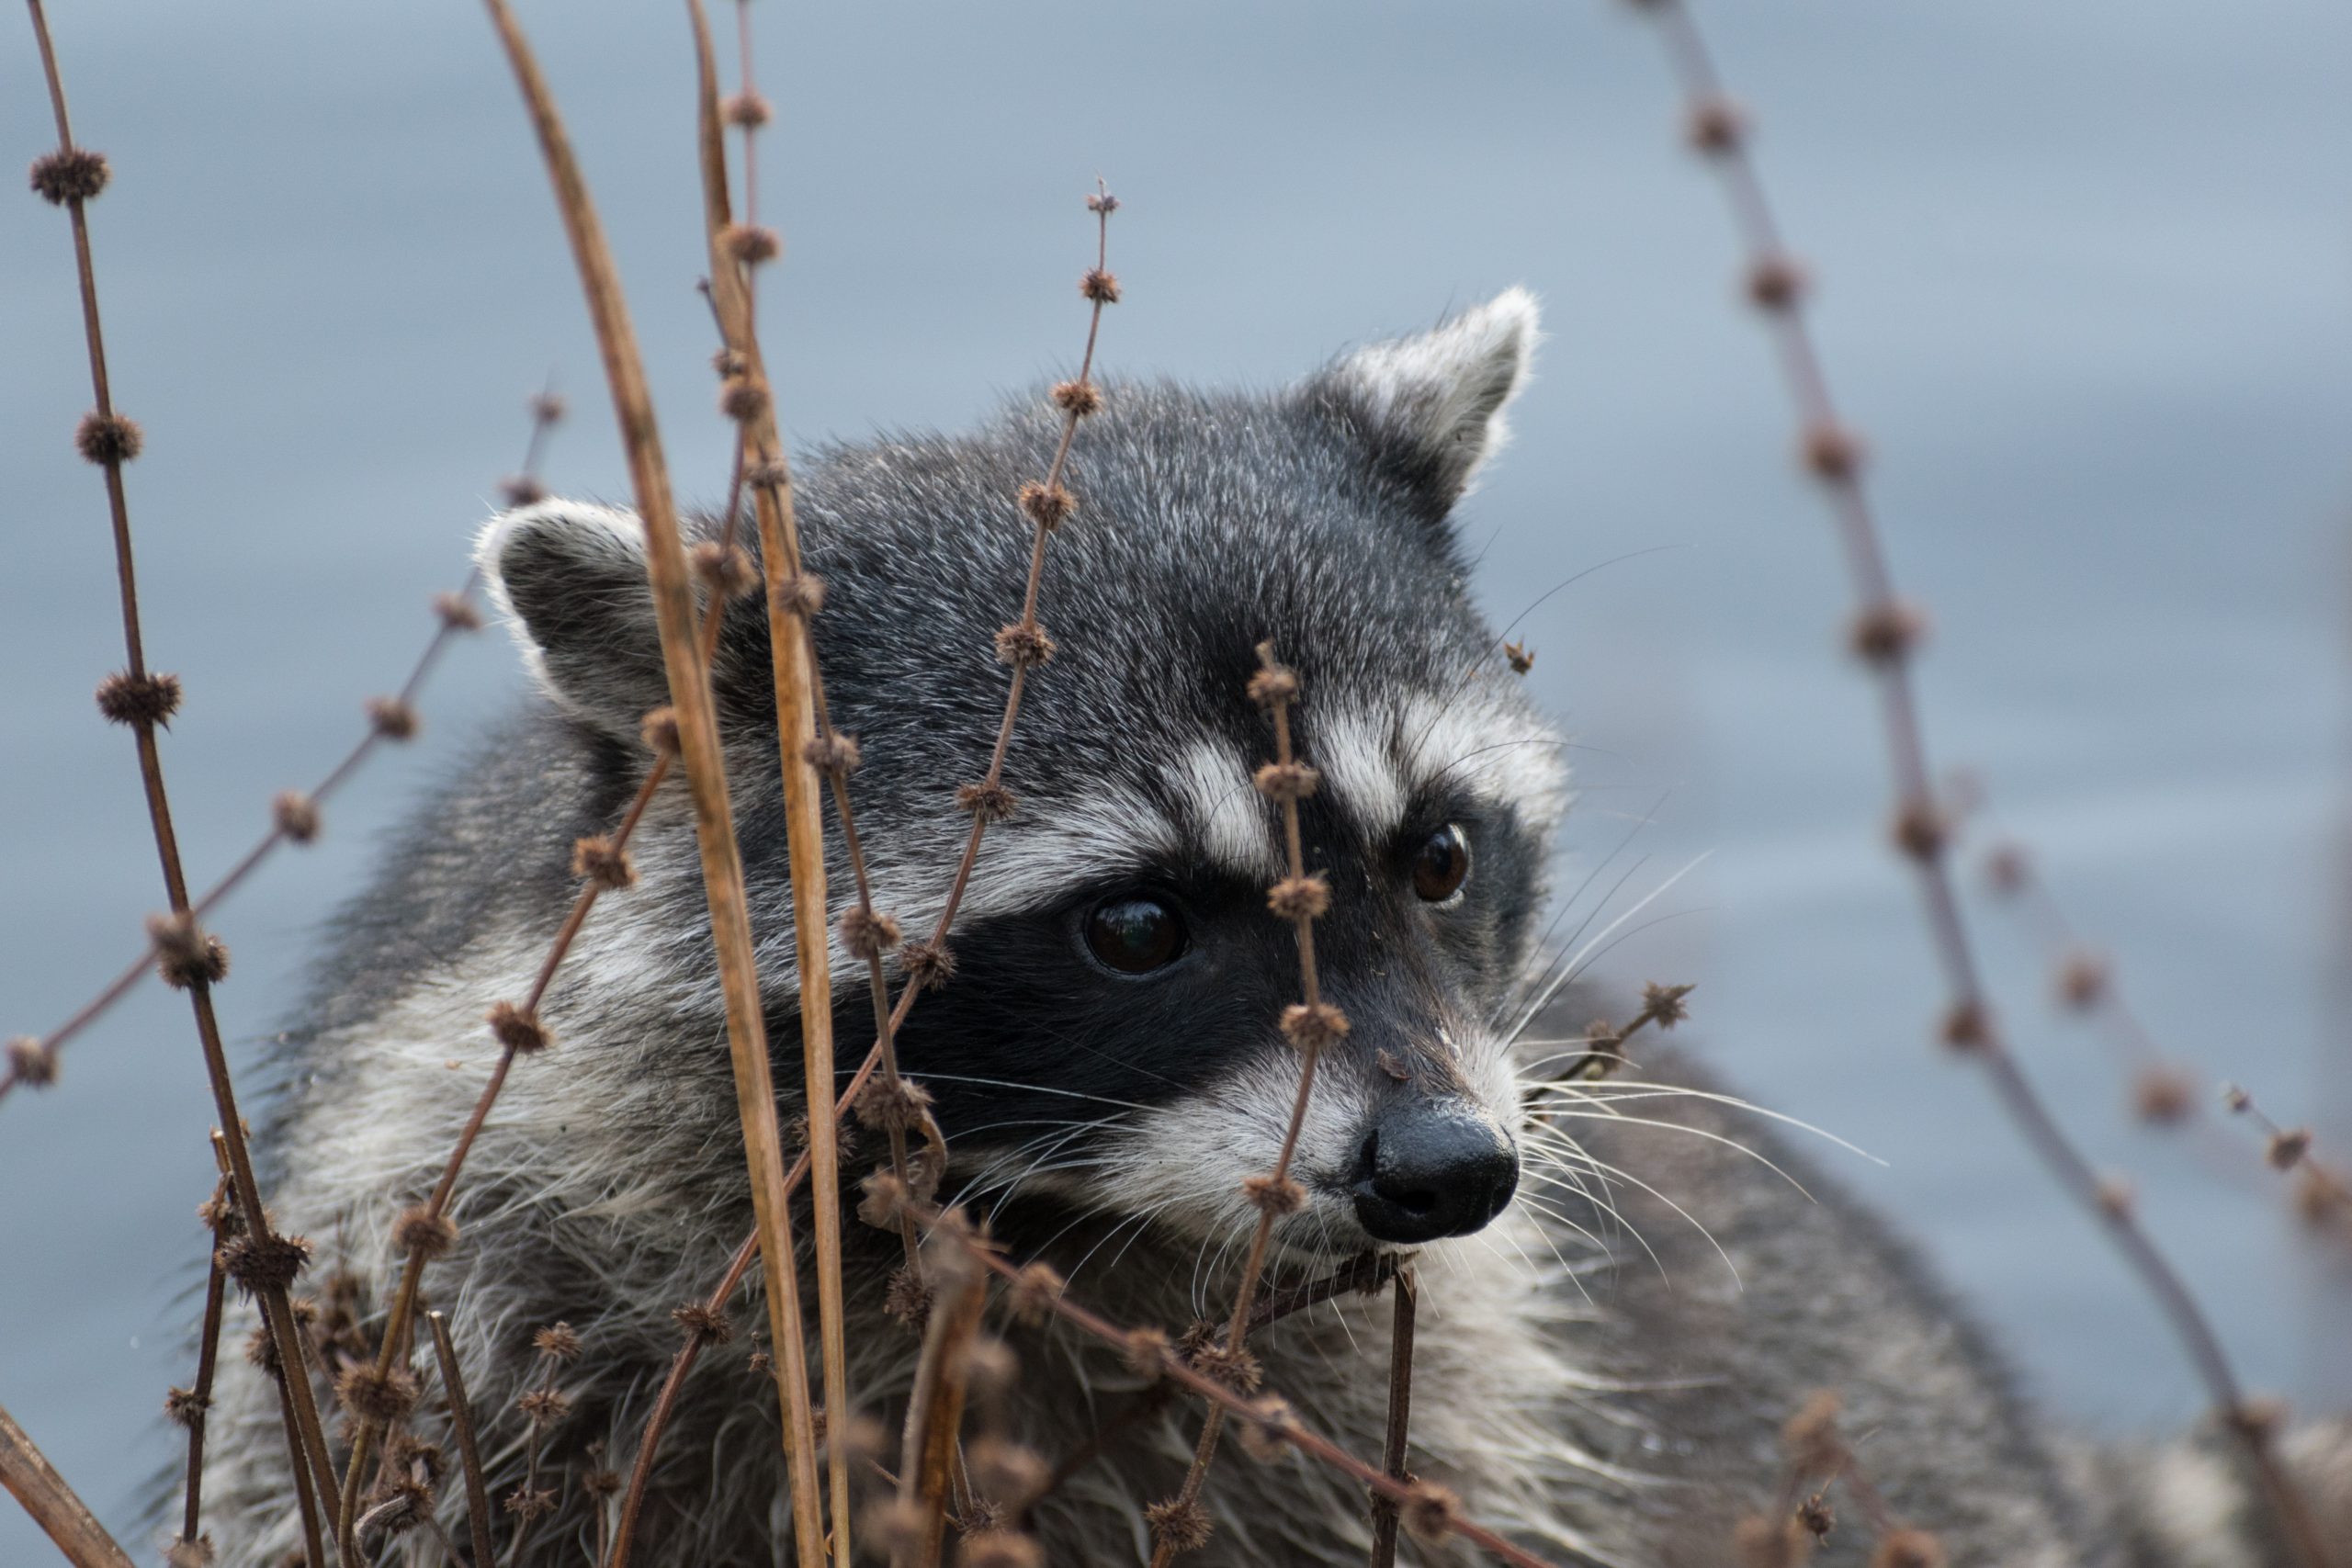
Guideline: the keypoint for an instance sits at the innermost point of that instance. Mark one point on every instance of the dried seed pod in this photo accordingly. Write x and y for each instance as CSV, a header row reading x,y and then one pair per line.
x,y
393,718
1300,897
833,752
907,1299
1077,398
1431,1513
599,860
187,955
381,1396
1715,126
1178,1523
69,174
1024,645
704,1321
1046,507
519,1032
150,698
31,1063
1311,1027
421,1230
927,965
559,1341
295,816
725,569
986,802
660,731
1287,781
892,1104
753,244
1101,287
1034,1291
107,439
1272,1194
1831,451
868,934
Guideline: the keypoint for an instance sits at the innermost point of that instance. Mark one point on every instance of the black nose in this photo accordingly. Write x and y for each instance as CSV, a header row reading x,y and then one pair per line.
x,y
1432,1171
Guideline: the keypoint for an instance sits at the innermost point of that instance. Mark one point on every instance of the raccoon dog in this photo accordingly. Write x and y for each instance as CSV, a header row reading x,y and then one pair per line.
x,y
1104,1058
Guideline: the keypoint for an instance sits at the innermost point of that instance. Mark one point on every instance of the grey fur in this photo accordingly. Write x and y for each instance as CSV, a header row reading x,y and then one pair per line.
x,y
1604,1399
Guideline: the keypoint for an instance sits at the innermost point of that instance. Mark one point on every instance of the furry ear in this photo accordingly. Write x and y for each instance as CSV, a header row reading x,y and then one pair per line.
x,y
571,577
1430,407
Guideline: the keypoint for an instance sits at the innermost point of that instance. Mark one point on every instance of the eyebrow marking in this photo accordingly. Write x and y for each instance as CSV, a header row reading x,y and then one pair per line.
x,y
1223,810
1356,754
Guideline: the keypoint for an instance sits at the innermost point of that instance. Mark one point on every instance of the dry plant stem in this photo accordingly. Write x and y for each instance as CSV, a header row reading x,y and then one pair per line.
x,y
30,1478
207,1358
935,1418
544,416
394,1346
792,656
666,1401
461,1419
1970,1012
1245,1296
690,696
649,1444
276,1309
1313,1445
1405,1295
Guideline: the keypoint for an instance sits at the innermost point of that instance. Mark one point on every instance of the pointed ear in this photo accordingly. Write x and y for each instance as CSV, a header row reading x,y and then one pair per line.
x,y
570,577
1430,408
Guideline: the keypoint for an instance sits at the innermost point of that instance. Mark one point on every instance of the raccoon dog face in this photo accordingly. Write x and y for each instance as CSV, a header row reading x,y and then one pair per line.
x,y
1108,1038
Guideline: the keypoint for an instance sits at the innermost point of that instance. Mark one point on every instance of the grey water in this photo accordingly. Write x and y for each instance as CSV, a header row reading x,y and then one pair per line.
x,y
2083,282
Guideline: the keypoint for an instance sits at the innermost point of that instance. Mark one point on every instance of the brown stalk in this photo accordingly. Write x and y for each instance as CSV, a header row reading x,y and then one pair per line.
x,y
705,772
1403,1296
276,1309
461,1418
1886,633
927,1457
1102,205
30,1479
198,1398
399,1321
455,614
792,655
1429,1511
1311,1026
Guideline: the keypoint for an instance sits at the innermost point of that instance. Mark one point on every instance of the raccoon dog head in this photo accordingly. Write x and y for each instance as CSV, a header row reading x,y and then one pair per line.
x,y
1108,1037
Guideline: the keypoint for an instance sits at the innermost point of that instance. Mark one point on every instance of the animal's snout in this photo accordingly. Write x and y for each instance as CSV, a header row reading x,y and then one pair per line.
x,y
1429,1171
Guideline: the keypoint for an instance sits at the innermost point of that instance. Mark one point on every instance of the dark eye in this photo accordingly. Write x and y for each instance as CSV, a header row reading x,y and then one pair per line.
x,y
1135,935
1440,864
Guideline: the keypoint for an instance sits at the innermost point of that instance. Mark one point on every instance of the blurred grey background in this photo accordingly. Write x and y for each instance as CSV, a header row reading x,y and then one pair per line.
x,y
2084,284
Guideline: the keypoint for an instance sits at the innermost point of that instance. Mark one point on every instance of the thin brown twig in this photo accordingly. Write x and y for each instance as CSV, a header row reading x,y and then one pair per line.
x,y
26,1472
1886,631
1403,1297
1178,1524
395,1345
700,748
191,1404
144,701
792,656
294,817
1102,205
1431,1512
461,1419
927,1456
